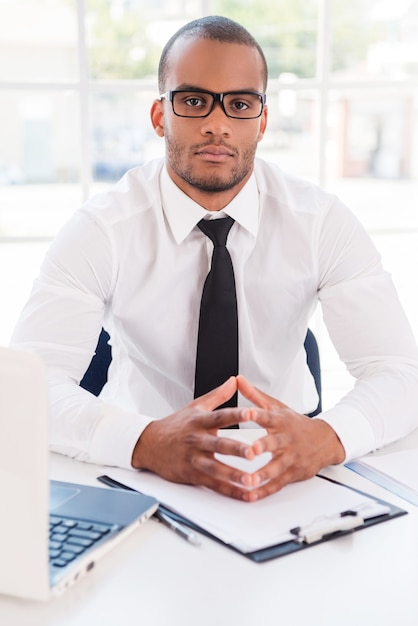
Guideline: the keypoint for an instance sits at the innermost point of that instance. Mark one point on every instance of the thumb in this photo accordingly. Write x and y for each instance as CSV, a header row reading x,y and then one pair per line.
x,y
257,397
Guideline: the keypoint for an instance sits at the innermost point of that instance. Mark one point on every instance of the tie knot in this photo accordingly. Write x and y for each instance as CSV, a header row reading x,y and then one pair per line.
x,y
217,230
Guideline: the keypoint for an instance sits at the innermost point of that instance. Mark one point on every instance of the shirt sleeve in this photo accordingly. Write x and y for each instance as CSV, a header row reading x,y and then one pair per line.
x,y
371,334
62,321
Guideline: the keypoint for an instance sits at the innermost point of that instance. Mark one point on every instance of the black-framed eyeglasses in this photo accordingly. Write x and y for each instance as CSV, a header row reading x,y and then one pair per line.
x,y
240,105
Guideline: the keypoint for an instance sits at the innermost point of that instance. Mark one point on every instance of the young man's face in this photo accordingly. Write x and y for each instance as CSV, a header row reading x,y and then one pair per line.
x,y
214,154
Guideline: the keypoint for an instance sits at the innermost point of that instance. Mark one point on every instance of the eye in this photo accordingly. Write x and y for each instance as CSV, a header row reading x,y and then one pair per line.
x,y
195,100
240,105
243,104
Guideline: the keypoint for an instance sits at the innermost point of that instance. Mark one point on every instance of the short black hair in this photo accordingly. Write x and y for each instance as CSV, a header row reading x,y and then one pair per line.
x,y
217,28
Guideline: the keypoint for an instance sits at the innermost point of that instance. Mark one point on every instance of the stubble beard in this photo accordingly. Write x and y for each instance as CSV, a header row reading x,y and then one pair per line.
x,y
213,182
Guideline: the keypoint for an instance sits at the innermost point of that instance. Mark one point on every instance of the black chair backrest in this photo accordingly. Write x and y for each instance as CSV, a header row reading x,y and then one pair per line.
x,y
96,375
314,364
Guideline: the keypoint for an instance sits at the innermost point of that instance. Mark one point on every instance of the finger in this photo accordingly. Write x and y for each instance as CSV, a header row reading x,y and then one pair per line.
x,y
285,468
222,418
266,488
232,490
274,471
255,395
216,471
226,446
271,479
209,401
275,442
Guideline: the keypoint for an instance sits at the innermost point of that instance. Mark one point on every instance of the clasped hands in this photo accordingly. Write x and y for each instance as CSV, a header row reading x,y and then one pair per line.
x,y
181,447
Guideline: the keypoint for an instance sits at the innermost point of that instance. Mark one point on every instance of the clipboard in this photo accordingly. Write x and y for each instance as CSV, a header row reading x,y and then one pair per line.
x,y
319,531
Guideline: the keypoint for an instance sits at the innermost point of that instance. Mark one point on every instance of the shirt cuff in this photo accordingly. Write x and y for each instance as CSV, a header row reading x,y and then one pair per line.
x,y
352,428
115,437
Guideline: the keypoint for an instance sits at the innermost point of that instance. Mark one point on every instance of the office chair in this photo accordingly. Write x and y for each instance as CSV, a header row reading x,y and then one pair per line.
x,y
96,374
314,364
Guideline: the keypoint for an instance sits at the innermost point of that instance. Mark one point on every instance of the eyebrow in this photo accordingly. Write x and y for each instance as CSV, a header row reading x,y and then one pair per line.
x,y
189,87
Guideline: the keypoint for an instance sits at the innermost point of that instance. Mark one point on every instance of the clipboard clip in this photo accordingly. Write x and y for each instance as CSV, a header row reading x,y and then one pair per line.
x,y
325,526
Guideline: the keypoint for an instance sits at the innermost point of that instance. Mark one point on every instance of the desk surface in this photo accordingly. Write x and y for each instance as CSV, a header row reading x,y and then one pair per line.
x,y
155,577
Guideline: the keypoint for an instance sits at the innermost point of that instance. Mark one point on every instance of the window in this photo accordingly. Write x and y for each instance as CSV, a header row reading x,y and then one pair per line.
x,y
75,93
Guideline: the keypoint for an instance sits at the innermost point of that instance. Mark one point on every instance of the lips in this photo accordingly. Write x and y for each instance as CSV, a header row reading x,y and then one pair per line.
x,y
217,154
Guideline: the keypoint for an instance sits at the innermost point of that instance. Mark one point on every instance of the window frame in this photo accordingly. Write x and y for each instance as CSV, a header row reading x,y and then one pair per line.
x,y
323,85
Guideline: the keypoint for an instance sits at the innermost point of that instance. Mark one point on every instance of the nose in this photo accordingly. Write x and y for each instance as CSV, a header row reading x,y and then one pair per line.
x,y
217,122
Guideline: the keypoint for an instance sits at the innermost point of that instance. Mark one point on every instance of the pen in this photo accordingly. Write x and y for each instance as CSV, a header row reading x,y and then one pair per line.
x,y
181,530
162,516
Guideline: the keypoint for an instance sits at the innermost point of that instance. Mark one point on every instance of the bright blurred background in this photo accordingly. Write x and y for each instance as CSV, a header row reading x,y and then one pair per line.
x,y
77,78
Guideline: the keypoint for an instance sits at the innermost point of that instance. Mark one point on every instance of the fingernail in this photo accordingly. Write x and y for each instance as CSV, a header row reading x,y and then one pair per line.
x,y
249,454
246,480
256,480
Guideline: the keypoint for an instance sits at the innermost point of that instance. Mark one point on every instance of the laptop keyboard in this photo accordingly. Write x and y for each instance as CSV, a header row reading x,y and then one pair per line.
x,y
69,538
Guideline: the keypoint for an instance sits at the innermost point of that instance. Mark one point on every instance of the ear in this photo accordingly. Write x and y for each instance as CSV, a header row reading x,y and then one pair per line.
x,y
263,123
157,117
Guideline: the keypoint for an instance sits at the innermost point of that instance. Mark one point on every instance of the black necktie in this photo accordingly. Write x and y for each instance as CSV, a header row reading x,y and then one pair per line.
x,y
217,344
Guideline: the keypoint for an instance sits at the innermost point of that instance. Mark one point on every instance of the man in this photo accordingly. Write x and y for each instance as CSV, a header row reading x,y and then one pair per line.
x,y
134,260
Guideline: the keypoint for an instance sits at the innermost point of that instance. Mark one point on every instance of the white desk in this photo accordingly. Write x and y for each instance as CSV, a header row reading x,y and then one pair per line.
x,y
367,578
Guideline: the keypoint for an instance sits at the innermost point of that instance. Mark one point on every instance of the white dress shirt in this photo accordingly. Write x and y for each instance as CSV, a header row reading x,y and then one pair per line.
x,y
133,260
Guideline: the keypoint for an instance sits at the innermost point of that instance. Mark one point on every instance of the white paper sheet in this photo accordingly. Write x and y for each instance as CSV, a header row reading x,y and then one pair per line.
x,y
248,526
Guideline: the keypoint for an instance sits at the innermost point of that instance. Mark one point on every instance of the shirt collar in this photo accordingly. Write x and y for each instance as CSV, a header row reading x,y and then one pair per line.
x,y
183,213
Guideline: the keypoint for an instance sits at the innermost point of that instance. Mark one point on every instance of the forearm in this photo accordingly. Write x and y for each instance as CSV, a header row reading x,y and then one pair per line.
x,y
373,338
90,429
381,408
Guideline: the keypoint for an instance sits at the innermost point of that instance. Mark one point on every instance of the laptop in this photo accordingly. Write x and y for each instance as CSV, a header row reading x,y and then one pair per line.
x,y
52,533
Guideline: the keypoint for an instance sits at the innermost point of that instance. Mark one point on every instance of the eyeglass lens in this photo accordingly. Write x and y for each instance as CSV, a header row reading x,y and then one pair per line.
x,y
198,104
